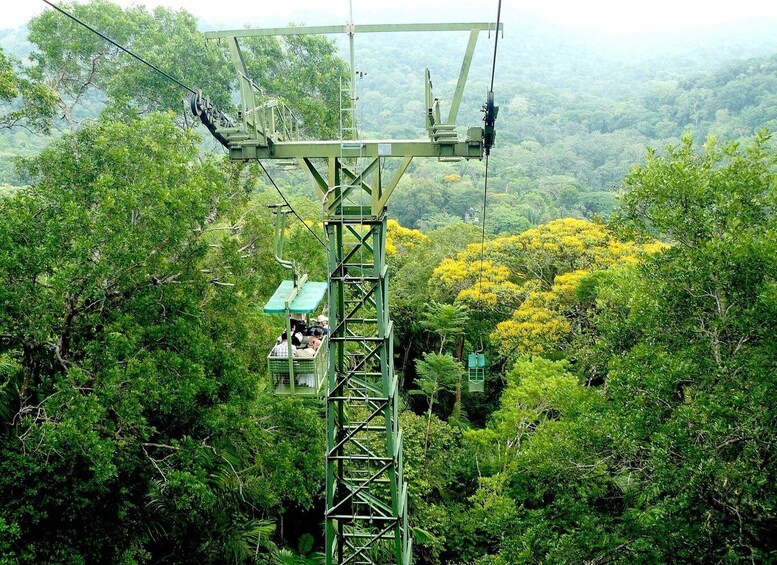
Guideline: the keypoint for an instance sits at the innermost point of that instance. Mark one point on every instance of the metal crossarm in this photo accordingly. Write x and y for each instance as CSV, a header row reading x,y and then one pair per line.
x,y
350,28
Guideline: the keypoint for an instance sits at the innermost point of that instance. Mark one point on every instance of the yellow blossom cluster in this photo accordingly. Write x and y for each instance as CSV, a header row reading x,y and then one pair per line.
x,y
558,247
546,264
452,272
531,331
462,281
400,238
562,295
538,324
534,275
491,295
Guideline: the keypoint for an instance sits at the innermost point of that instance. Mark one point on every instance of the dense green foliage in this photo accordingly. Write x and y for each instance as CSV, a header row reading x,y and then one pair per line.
x,y
134,422
575,113
31,103
630,413
647,434
78,64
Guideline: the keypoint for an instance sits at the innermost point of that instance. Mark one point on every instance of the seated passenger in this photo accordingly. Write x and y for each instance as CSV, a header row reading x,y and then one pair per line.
x,y
282,349
297,332
322,324
307,379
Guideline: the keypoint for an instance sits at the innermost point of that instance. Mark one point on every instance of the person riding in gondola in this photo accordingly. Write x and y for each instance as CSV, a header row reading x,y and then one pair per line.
x,y
322,324
282,348
298,331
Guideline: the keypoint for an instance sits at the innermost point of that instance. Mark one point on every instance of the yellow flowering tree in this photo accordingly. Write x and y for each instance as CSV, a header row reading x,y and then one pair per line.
x,y
541,322
484,286
562,246
532,277
400,239
535,256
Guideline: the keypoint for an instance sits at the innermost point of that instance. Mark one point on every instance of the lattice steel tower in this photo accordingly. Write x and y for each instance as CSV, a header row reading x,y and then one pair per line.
x,y
366,497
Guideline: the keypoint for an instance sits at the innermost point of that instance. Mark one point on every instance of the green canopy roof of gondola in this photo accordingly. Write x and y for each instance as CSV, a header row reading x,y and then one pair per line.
x,y
306,301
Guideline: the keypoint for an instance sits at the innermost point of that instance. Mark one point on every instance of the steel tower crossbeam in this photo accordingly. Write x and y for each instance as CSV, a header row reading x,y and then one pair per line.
x,y
349,28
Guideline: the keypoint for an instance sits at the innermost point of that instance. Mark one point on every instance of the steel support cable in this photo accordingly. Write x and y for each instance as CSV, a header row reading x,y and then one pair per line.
x,y
496,42
483,229
485,182
127,51
293,211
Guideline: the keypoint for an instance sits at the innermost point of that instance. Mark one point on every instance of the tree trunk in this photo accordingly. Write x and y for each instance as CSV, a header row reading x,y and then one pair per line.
x,y
459,354
428,424
404,363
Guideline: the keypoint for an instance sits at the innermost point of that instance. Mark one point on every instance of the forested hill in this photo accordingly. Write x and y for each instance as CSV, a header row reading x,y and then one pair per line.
x,y
535,54
576,110
628,412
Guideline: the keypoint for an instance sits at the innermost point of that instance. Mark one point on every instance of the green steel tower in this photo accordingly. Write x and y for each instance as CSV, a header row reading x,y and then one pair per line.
x,y
366,497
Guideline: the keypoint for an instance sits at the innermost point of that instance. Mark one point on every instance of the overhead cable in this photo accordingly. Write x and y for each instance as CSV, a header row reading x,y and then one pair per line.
x,y
127,51
488,151
496,42
293,211
483,229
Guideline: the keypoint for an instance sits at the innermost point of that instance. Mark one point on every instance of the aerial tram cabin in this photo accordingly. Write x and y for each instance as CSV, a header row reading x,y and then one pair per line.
x,y
295,375
476,363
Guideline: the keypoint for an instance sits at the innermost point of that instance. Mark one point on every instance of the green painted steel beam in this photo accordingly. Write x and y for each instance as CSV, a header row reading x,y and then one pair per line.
x,y
364,474
394,181
465,65
315,177
367,28
336,149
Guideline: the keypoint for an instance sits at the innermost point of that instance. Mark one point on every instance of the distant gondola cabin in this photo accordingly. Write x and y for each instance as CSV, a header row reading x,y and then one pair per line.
x,y
477,372
294,374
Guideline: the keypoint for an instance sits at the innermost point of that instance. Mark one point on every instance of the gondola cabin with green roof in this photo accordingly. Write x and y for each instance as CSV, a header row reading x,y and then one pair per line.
x,y
292,374
477,372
